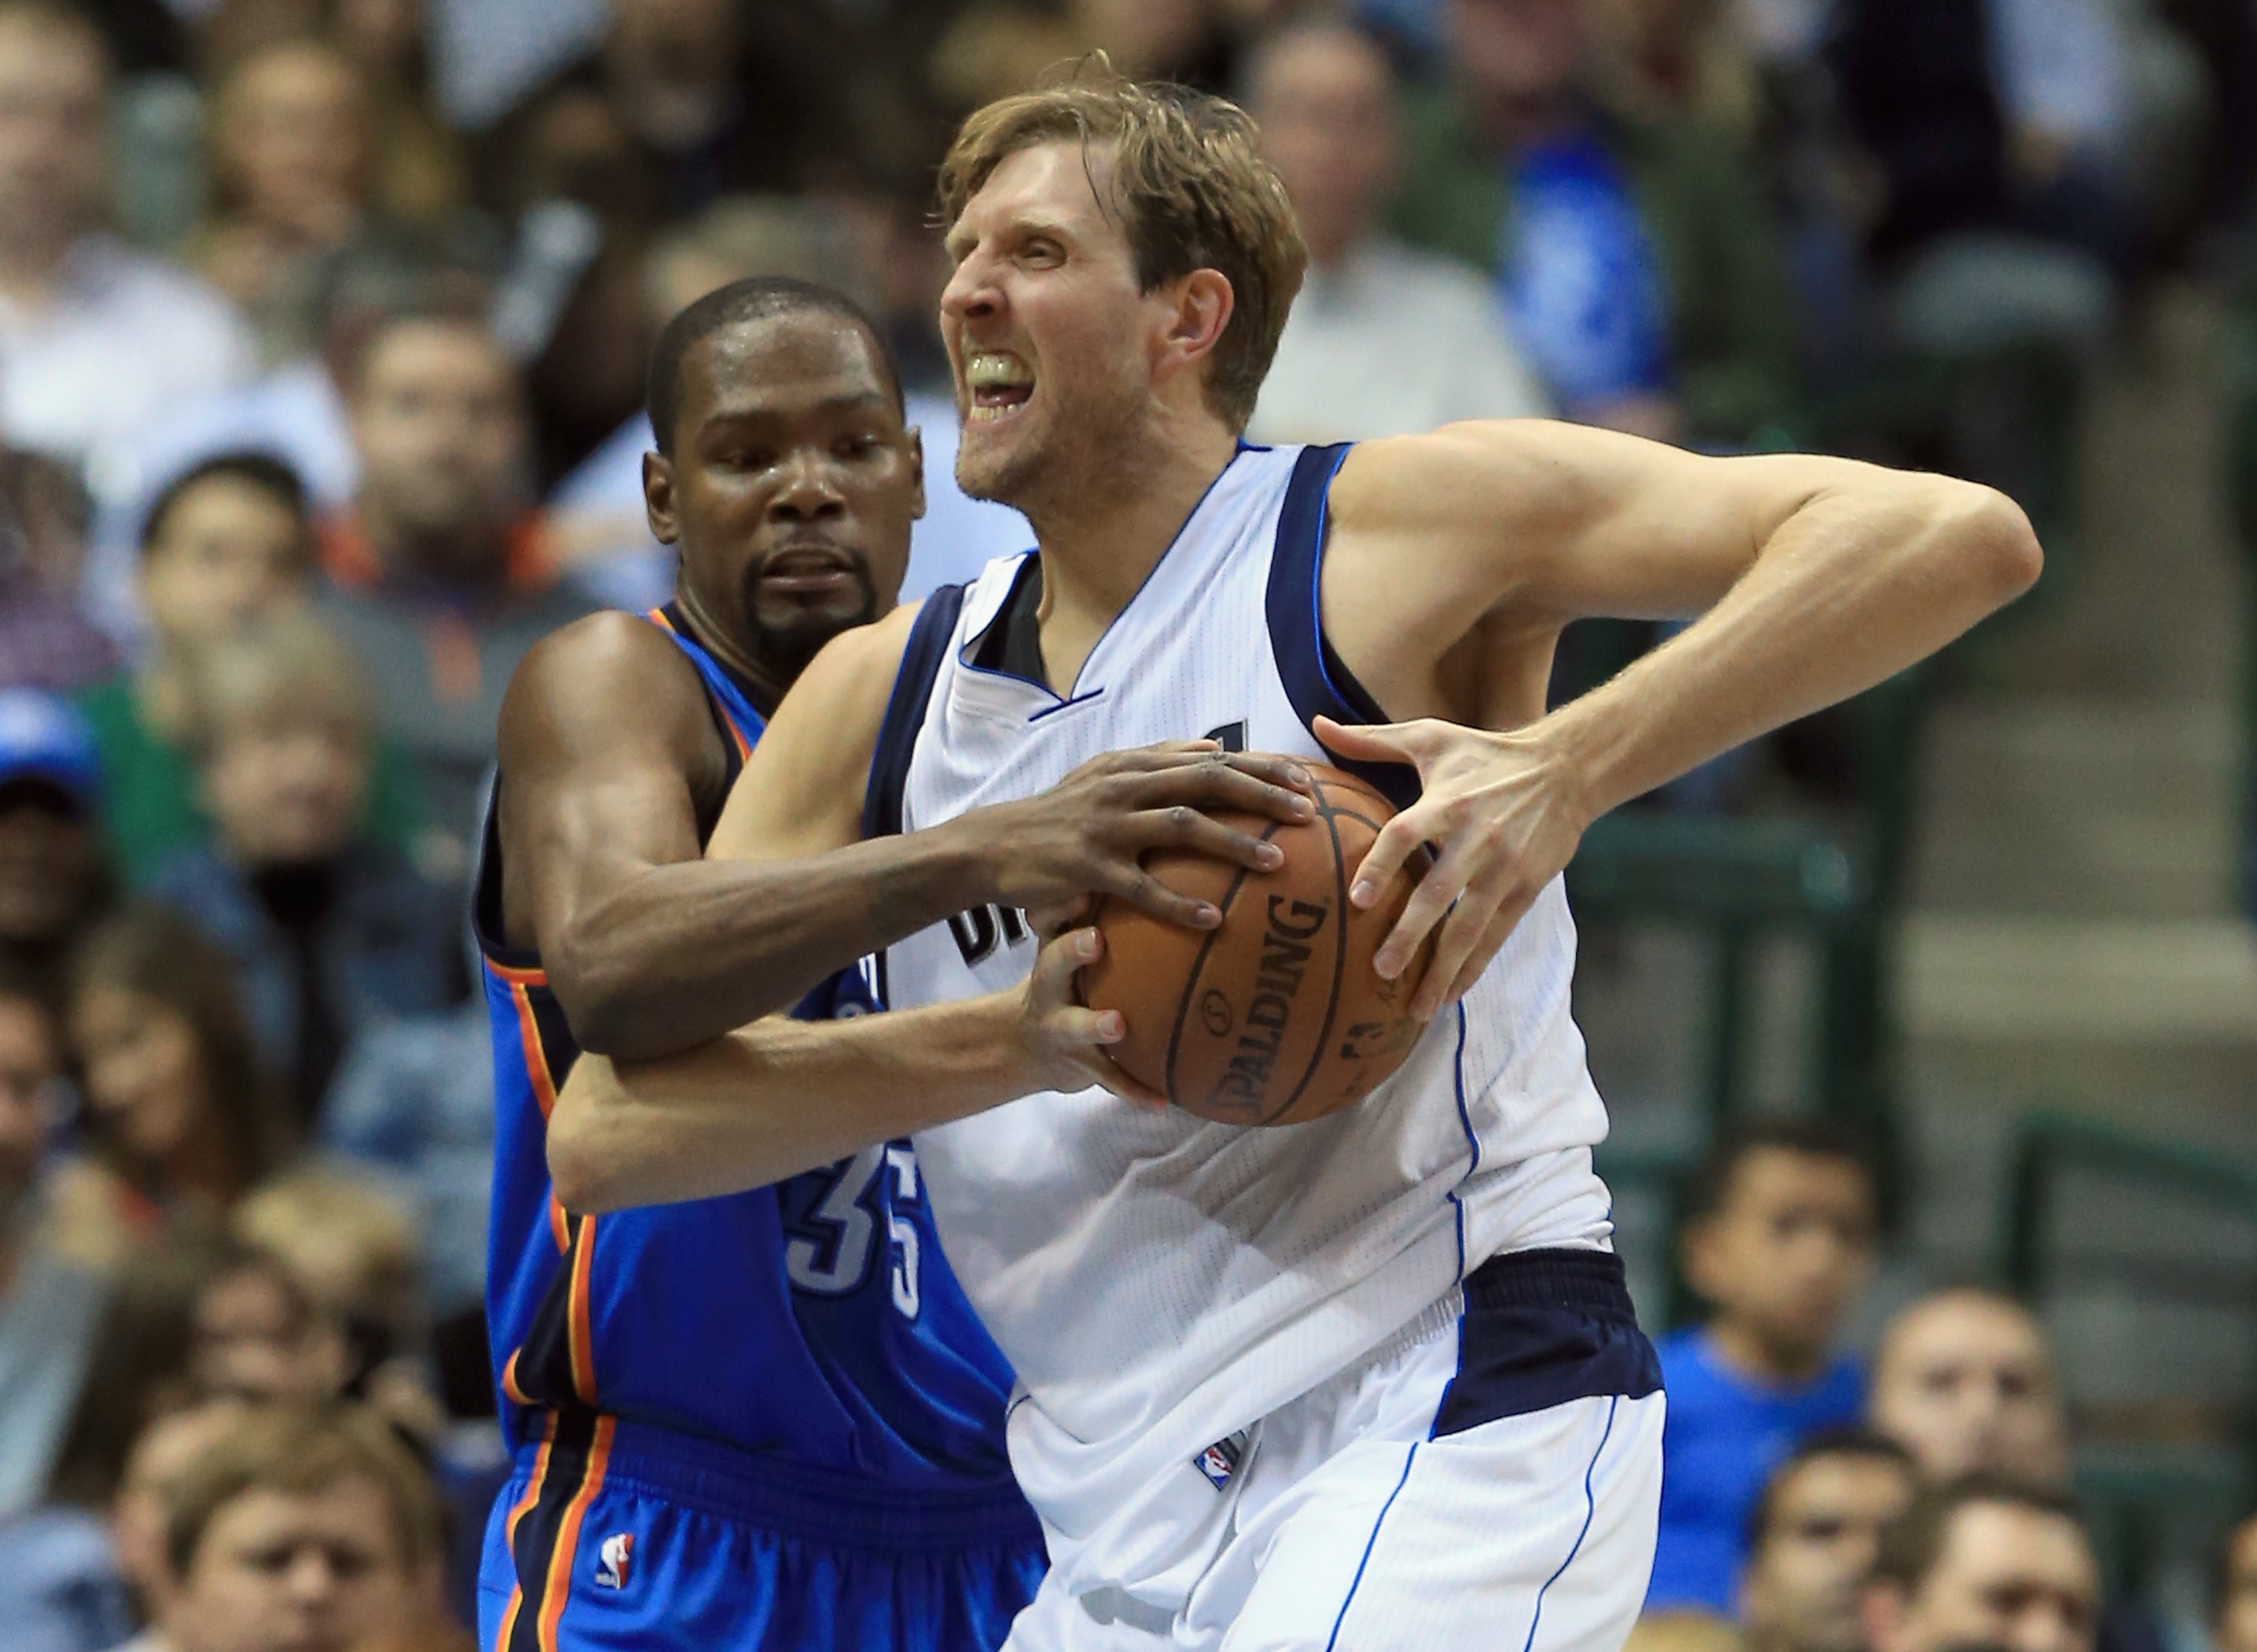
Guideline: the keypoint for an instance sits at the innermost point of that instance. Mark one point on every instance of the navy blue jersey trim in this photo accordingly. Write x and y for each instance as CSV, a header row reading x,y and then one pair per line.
x,y
1317,680
1542,1328
905,708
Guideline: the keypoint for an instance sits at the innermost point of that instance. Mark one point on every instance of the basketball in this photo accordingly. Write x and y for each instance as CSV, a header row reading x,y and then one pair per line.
x,y
1276,1017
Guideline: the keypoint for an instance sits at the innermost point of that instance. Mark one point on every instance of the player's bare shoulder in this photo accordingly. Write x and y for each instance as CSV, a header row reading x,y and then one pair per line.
x,y
802,788
566,697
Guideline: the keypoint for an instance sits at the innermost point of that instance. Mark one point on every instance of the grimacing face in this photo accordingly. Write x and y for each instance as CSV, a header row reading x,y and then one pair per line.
x,y
281,1573
1053,342
1801,1590
2009,1577
792,486
1965,1383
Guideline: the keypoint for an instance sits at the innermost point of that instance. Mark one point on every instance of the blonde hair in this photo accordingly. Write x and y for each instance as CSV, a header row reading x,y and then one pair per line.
x,y
286,667
1192,188
350,1246
303,1451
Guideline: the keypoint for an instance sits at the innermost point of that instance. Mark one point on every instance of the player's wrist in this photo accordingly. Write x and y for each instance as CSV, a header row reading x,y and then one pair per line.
x,y
1572,754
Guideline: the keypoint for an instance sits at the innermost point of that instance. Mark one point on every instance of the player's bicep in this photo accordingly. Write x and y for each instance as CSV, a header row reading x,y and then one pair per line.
x,y
588,797
802,789
1565,520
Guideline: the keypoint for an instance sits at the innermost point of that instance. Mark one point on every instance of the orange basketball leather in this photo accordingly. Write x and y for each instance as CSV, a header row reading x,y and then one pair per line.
x,y
1277,1017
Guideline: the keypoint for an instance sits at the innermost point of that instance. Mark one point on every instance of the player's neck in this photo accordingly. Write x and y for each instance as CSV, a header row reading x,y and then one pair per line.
x,y
1099,550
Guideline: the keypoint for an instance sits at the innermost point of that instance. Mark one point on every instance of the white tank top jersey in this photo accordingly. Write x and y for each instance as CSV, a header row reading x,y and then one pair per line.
x,y
1160,1282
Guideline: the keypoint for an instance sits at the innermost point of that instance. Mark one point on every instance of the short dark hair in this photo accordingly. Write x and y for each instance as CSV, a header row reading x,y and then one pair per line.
x,y
270,474
1913,1542
1866,1443
755,299
1711,1187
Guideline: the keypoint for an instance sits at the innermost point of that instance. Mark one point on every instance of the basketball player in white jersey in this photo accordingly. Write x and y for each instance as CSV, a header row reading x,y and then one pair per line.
x,y
1371,1381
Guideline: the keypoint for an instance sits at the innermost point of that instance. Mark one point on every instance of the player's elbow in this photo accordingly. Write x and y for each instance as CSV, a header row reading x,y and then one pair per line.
x,y
1990,544
609,1009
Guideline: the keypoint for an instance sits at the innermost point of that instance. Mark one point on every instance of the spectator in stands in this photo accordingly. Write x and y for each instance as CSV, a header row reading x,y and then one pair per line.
x,y
49,1304
1779,1242
440,574
351,1248
1815,1538
96,341
259,1335
1964,1381
168,1448
2233,1593
416,1099
291,164
1384,340
53,881
300,1529
678,106
329,930
46,642
178,1116
227,543
420,173
1985,236
1984,1563
1637,261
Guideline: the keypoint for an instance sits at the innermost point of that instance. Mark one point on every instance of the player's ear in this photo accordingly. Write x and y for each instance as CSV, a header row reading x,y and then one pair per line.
x,y
658,496
1203,302
917,473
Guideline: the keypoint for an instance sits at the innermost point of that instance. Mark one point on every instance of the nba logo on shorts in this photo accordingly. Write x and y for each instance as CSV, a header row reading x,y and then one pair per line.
x,y
1220,1461
614,1559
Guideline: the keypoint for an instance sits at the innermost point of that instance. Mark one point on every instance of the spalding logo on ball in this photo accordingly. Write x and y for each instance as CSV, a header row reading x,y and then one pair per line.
x,y
1277,1017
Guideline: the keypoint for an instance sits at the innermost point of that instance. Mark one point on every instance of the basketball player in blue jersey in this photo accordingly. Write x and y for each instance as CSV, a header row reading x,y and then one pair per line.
x,y
1372,1381
767,1420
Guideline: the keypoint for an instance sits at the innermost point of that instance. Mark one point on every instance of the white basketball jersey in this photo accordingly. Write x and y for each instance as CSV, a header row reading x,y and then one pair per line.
x,y
1160,1282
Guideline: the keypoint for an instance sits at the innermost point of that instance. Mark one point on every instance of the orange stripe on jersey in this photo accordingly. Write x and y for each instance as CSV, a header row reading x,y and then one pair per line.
x,y
657,617
562,1560
744,745
509,1382
536,1058
579,1330
515,976
533,1485
559,1225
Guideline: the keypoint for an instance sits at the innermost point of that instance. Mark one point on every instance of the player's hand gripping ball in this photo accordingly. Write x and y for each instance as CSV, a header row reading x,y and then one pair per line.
x,y
1277,1017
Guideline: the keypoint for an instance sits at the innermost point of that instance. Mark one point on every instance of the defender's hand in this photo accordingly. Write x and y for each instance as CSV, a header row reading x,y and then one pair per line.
x,y
1062,1042
1087,833
1507,817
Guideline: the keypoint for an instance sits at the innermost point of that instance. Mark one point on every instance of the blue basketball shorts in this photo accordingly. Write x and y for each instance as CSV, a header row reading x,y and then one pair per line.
x,y
610,1537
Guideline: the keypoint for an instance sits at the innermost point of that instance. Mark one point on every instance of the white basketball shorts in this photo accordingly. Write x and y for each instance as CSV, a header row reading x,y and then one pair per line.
x,y
1490,1485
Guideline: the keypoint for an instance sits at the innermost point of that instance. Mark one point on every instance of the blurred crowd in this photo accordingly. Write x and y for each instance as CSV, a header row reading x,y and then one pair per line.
x,y
324,327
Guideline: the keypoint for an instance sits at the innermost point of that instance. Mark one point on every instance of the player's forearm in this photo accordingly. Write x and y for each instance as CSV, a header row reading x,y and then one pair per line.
x,y
682,954
1858,584
775,1098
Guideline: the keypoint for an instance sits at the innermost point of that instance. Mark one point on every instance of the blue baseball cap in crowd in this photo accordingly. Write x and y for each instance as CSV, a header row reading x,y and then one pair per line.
x,y
45,738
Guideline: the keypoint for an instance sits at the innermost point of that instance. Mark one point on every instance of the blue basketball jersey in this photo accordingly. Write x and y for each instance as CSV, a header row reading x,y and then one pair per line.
x,y
812,1323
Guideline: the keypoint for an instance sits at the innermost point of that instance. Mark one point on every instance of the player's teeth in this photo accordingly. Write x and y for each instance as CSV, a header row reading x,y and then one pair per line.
x,y
987,371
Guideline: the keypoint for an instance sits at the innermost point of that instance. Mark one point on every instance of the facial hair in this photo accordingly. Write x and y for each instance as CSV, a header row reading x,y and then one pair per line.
x,y
1087,457
786,650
